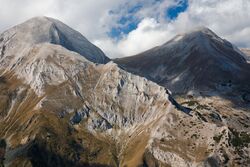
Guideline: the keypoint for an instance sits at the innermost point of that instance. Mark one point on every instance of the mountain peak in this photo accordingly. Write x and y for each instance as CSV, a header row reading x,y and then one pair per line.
x,y
44,21
196,60
43,29
205,32
39,18
202,29
199,35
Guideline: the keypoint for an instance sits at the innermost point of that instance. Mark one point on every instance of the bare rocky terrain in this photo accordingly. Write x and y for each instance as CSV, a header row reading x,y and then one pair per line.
x,y
63,104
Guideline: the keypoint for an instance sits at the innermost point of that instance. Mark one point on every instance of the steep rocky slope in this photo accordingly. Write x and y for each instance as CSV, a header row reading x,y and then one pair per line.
x,y
198,61
60,109
58,96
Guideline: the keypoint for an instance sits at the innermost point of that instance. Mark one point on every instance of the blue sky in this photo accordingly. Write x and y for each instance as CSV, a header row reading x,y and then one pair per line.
x,y
173,11
129,22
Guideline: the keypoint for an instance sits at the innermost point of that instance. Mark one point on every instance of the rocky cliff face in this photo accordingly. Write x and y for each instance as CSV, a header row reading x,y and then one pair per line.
x,y
57,108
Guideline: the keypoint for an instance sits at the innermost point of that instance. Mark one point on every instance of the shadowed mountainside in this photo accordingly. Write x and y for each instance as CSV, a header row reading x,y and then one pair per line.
x,y
198,62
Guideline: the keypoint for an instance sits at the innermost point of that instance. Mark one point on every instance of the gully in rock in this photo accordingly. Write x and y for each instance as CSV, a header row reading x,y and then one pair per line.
x,y
186,110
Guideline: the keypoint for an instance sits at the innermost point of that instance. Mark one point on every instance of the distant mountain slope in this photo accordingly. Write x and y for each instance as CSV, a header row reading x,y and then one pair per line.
x,y
47,30
192,62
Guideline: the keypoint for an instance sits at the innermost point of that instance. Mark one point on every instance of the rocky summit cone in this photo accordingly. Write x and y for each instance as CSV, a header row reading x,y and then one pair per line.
x,y
198,61
47,30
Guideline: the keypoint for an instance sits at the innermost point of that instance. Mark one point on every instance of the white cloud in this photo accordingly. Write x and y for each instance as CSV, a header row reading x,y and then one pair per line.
x,y
228,18
87,16
149,33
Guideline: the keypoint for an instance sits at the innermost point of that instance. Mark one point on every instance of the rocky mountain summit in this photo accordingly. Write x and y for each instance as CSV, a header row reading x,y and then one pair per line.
x,y
198,61
63,104
47,30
